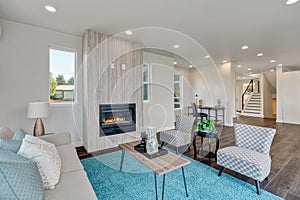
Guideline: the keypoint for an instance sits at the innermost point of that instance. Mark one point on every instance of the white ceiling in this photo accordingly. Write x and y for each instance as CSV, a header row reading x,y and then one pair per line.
x,y
221,27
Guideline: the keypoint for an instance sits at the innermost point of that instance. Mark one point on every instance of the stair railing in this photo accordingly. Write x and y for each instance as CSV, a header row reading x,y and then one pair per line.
x,y
248,90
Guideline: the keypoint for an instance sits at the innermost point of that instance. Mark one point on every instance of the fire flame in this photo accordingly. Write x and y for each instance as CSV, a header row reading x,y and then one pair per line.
x,y
114,120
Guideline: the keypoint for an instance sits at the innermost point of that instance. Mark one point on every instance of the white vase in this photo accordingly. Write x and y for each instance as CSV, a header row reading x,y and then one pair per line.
x,y
152,143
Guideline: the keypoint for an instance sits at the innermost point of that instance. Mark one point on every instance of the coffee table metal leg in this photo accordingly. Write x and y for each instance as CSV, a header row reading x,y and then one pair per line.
x,y
122,158
163,189
155,185
186,192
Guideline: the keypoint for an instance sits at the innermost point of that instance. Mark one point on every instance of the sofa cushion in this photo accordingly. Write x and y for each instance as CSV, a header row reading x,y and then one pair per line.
x,y
6,133
10,145
72,185
57,138
20,177
69,158
46,156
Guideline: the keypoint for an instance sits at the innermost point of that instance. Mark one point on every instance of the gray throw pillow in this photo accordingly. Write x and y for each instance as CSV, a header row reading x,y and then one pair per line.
x,y
20,177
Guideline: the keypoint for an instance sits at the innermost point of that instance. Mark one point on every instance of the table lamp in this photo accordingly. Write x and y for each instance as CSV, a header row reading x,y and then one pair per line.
x,y
38,110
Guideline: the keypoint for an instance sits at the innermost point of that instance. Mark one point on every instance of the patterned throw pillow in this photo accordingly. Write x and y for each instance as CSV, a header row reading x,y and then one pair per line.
x,y
13,144
10,145
46,156
20,177
19,135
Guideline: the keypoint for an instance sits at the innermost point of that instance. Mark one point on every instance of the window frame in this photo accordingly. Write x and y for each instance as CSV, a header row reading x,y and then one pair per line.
x,y
180,90
66,49
147,82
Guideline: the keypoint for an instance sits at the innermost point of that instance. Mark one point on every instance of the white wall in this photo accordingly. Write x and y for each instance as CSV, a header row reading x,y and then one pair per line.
x,y
288,96
228,77
159,112
24,76
210,91
268,90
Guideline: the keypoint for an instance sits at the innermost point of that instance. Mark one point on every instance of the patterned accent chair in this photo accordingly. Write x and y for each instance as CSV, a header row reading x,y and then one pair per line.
x,y
250,156
181,135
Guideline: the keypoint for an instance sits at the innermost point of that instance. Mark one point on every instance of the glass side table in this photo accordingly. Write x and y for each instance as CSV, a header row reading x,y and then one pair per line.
x,y
208,154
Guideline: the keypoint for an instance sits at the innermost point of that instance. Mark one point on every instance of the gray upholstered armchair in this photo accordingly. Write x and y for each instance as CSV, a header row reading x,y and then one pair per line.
x,y
181,135
250,156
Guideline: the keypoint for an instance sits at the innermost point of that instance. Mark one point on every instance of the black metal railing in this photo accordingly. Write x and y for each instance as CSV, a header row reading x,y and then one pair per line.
x,y
248,90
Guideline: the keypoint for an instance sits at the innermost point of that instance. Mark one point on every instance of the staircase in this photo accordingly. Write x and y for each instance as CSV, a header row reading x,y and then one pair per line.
x,y
253,106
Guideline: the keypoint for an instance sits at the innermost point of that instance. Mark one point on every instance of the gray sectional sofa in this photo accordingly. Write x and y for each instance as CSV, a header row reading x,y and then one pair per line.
x,y
73,183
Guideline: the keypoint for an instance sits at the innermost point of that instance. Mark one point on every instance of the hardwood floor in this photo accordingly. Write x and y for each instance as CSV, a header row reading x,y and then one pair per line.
x,y
284,179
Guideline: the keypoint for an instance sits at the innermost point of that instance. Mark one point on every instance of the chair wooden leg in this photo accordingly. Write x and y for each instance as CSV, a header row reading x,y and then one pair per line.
x,y
220,170
162,144
257,187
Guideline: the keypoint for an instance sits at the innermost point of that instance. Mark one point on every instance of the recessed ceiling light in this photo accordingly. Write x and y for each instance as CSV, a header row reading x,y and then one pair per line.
x,y
176,46
224,61
272,61
260,54
249,69
190,66
50,8
175,63
244,47
128,32
207,56
279,65
272,70
239,66
289,2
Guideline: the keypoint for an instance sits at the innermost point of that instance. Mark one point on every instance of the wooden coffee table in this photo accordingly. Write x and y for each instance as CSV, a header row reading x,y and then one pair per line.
x,y
159,165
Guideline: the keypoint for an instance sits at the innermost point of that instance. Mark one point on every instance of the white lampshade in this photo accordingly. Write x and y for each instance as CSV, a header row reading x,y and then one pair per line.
x,y
38,109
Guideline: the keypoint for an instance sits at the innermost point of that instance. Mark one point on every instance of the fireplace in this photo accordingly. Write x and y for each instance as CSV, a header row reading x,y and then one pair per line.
x,y
117,118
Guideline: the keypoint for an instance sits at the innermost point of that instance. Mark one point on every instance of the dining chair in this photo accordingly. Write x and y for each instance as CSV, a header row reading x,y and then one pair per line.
x,y
196,114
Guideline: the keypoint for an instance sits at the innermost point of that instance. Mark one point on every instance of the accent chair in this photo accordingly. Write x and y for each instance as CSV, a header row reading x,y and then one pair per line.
x,y
251,155
182,134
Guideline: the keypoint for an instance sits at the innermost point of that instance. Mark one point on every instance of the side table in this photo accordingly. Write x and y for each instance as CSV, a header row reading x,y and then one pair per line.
x,y
208,135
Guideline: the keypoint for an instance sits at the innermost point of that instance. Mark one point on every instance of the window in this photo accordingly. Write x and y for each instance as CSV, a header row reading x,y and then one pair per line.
x,y
146,82
62,76
177,91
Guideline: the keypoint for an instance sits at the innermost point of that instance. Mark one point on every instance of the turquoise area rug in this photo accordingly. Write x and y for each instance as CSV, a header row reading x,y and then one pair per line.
x,y
136,181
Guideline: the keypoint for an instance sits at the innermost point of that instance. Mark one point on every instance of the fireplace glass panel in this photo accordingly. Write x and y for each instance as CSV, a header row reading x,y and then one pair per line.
x,y
117,118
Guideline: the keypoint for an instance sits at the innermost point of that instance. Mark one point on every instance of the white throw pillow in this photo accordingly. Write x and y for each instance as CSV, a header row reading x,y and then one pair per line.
x,y
46,156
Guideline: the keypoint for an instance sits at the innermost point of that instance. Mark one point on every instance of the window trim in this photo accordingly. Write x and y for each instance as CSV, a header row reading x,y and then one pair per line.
x,y
181,91
67,49
147,82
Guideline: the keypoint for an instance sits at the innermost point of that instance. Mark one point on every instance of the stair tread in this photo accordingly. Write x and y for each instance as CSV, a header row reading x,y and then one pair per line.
x,y
253,113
